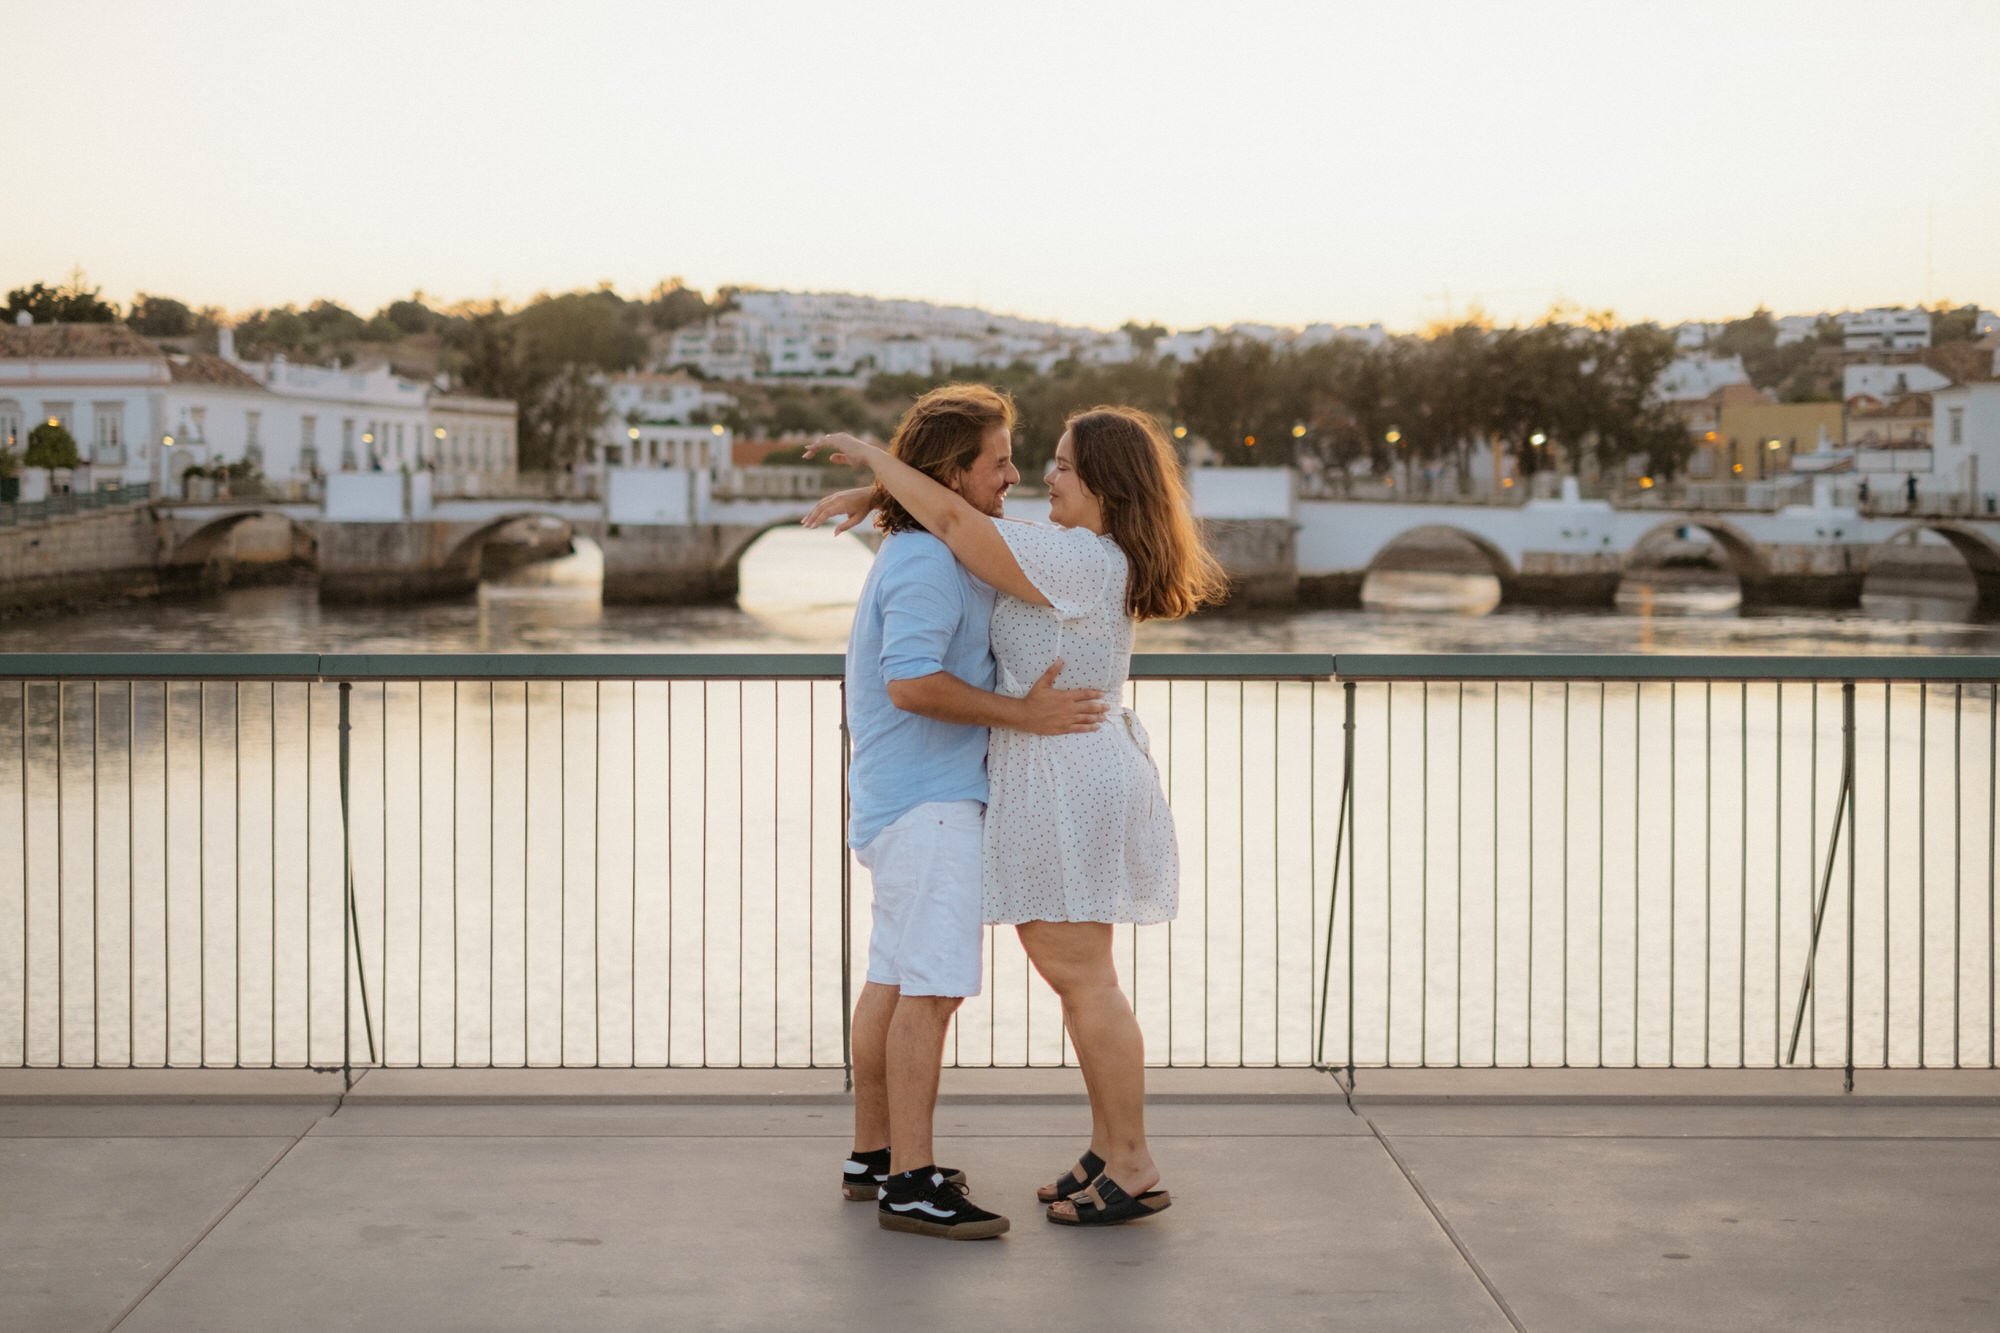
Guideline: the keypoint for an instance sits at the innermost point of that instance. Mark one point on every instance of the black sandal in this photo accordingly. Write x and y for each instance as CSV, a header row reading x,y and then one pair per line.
x,y
1072,1183
1102,1203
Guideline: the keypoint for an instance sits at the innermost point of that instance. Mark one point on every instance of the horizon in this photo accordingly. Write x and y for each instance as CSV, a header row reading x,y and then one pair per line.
x,y
1307,163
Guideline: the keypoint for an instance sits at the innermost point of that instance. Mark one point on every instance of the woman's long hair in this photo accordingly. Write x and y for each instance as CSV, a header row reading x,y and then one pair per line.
x,y
1124,459
942,435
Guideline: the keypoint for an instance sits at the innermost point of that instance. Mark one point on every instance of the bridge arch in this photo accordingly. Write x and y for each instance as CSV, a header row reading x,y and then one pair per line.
x,y
467,552
1979,551
730,562
1496,561
210,541
1743,555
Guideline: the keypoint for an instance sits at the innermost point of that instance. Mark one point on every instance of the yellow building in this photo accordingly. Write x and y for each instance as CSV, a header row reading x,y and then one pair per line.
x,y
1758,439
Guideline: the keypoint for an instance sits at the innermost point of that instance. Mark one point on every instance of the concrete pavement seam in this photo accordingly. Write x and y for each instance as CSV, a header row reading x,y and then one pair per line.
x,y
206,1231
1450,1233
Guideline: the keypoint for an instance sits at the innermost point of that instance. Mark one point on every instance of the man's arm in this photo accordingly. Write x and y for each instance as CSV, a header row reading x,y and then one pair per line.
x,y
1044,710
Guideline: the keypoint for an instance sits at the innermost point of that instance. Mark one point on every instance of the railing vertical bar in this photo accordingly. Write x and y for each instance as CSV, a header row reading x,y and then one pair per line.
x,y
382,717
166,871
596,900
562,874
1277,878
1923,871
667,797
271,828
812,868
493,875
1389,875
1564,991
62,1026
422,933
1957,866
742,764
1353,836
96,880
1458,890
1424,882
347,902
27,911
235,861
1673,873
1778,883
1312,826
200,859
1602,698
1812,858
1743,875
1847,761
632,897
707,687
1888,802
457,1028
1528,999
1493,932
308,876
131,885
1638,712
1707,871
1242,873
526,1026
1172,750
1207,826
1992,819
846,910
776,894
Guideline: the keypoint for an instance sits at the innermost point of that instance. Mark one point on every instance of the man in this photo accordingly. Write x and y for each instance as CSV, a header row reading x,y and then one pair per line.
x,y
919,702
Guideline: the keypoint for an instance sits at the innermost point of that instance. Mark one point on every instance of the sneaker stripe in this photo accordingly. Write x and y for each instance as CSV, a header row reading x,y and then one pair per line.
x,y
922,1205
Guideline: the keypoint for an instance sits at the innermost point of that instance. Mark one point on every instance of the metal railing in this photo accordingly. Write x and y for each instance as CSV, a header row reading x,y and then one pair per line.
x,y
13,513
637,860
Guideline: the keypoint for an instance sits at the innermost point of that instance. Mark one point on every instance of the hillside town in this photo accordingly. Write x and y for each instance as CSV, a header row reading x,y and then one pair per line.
x,y
1873,400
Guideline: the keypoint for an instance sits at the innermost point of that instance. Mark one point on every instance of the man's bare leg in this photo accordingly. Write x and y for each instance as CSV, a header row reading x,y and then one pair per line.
x,y
870,1042
915,1054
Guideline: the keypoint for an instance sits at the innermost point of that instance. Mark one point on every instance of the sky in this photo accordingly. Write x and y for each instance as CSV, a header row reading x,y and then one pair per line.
x,y
1188,164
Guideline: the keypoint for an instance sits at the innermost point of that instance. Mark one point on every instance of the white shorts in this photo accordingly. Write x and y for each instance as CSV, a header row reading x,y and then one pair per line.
x,y
927,923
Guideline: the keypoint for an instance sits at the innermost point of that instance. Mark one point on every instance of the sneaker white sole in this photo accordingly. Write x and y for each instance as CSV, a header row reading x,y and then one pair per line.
x,y
918,1226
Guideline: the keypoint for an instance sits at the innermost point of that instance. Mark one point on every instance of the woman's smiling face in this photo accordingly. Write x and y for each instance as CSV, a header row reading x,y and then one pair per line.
x,y
1071,503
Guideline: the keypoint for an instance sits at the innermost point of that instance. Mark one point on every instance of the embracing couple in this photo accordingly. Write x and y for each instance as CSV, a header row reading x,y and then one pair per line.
x,y
995,778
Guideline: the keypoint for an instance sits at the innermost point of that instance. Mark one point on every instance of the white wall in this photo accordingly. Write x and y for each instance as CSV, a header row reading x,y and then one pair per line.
x,y
649,495
1242,492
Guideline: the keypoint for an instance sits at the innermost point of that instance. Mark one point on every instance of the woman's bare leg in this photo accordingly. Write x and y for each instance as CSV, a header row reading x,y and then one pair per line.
x,y
1074,957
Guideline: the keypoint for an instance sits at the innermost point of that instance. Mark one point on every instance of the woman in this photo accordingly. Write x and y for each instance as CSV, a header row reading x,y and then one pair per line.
x,y
1078,835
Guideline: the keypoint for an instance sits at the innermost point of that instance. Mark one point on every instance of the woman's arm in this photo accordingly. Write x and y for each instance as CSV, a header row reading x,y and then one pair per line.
x,y
971,535
850,505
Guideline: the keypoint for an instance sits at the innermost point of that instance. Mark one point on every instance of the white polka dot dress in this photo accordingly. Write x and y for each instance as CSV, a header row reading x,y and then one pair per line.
x,y
1077,827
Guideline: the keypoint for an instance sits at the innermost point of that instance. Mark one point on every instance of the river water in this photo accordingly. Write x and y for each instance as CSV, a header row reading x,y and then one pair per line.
x,y
650,874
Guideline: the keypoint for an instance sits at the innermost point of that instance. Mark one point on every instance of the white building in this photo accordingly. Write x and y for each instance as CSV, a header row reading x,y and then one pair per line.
x,y
636,396
1689,379
1965,436
1368,335
1186,345
1883,383
1797,329
1885,329
1695,337
140,415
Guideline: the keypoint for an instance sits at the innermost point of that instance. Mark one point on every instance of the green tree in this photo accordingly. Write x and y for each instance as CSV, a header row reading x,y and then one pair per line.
x,y
160,317
673,305
580,328
1951,323
560,423
71,303
411,317
49,445
1144,337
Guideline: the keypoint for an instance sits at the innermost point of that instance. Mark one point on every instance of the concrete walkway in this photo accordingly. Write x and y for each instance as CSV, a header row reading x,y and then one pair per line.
x,y
1545,1199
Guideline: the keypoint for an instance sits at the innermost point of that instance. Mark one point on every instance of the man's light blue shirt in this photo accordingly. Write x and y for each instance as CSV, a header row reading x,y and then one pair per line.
x,y
920,613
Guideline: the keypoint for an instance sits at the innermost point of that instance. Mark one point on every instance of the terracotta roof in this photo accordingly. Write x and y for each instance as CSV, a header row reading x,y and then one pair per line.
x,y
1908,405
81,341
210,370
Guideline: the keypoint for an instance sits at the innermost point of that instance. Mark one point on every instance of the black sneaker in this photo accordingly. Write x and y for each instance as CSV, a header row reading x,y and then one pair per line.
x,y
863,1174
926,1203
